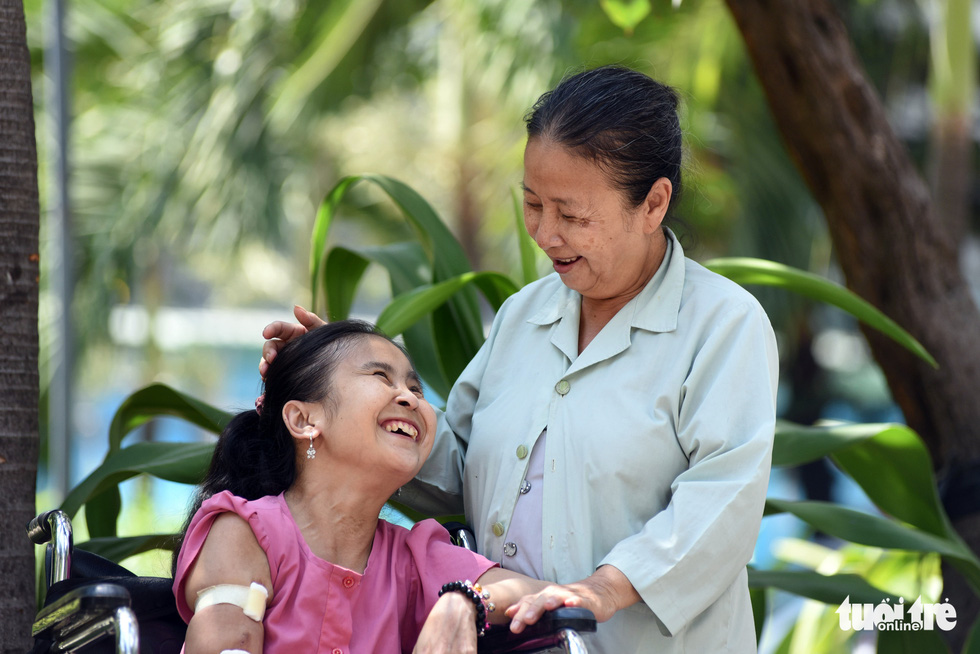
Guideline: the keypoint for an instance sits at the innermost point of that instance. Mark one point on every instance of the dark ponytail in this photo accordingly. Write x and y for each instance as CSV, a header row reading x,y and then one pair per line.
x,y
255,455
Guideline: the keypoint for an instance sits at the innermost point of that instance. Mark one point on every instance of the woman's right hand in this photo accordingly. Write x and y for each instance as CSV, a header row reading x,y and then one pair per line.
x,y
280,332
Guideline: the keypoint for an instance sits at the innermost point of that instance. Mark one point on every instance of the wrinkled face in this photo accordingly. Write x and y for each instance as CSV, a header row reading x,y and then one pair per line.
x,y
376,418
601,248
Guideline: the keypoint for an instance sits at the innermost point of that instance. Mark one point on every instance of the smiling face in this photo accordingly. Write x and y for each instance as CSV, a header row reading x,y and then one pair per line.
x,y
601,248
375,418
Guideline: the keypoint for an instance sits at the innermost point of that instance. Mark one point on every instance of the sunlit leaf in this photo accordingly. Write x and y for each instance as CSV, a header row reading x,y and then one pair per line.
x,y
769,273
184,463
876,531
407,309
525,244
407,268
626,14
888,461
830,589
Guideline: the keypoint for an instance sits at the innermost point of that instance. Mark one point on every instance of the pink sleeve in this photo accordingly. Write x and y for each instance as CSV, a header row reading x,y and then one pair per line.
x,y
197,533
439,562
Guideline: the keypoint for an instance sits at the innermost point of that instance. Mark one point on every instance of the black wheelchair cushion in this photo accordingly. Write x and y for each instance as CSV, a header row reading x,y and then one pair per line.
x,y
161,628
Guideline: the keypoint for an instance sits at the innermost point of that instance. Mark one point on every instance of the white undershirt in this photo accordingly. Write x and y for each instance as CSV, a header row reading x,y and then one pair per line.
x,y
525,524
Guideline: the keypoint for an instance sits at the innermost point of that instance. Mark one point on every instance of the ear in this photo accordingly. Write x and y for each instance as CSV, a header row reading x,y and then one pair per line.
x,y
654,207
302,418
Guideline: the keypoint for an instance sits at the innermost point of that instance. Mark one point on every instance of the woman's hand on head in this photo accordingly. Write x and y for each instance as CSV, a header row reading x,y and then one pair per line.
x,y
450,627
280,332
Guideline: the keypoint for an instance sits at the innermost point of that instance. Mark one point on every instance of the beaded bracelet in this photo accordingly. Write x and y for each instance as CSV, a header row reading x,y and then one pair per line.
x,y
478,596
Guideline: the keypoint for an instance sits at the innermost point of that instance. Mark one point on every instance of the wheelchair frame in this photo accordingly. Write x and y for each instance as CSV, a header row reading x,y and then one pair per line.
x,y
86,615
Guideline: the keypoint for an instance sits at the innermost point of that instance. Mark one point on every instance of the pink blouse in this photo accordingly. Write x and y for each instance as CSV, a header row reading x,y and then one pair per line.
x,y
317,606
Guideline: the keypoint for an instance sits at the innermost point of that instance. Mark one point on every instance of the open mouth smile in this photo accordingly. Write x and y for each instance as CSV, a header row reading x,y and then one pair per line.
x,y
402,428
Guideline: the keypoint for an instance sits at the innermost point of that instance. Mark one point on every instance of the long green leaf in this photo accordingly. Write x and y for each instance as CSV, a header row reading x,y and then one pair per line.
x,y
117,549
407,309
525,244
321,229
135,411
795,444
184,463
342,273
407,268
876,531
829,589
769,273
162,400
457,326
888,461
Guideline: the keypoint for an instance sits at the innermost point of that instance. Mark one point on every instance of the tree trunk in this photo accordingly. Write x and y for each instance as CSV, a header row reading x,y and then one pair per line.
x,y
19,218
894,249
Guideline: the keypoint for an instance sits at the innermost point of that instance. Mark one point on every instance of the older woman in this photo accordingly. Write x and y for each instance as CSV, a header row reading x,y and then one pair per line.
x,y
614,432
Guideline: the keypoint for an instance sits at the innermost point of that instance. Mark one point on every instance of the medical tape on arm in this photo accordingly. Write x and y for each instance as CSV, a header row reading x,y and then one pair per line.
x,y
250,599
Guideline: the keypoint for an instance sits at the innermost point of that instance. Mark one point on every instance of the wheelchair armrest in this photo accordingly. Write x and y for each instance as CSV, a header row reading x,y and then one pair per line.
x,y
544,634
80,608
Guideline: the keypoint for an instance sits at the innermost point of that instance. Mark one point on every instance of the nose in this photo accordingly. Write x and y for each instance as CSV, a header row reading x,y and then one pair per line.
x,y
544,230
407,399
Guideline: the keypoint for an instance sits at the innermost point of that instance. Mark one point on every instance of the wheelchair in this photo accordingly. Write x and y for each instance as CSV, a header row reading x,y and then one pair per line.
x,y
94,606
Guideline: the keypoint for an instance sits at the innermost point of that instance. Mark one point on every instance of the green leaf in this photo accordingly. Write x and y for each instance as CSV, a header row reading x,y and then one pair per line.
x,y
972,645
321,229
895,470
888,461
769,273
184,463
829,589
407,309
342,273
117,549
760,610
407,268
626,14
162,400
911,642
102,513
795,444
876,531
525,244
457,326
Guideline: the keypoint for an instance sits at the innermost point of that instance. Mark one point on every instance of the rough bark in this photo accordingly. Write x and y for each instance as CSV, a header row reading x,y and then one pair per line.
x,y
19,218
893,247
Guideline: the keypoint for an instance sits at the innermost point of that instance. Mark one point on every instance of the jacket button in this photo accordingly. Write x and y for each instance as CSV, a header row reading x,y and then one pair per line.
x,y
510,549
498,529
563,387
521,451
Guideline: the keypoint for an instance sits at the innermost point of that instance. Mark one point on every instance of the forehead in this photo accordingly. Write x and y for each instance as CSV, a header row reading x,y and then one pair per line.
x,y
555,172
377,349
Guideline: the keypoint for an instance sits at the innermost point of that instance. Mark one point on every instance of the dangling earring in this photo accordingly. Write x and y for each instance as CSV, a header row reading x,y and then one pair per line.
x,y
311,453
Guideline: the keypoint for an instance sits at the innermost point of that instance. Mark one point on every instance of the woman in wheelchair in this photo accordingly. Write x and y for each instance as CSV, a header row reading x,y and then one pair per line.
x,y
284,551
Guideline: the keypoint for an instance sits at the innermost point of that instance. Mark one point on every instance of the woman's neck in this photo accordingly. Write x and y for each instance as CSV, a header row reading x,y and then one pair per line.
x,y
337,525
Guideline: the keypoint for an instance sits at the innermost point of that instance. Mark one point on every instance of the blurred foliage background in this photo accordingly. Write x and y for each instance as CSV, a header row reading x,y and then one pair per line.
x,y
206,132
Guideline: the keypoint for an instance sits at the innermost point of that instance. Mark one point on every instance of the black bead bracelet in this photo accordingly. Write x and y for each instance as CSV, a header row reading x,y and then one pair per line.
x,y
476,595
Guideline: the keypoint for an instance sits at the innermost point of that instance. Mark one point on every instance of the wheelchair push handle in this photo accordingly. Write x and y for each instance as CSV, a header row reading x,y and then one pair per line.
x,y
40,528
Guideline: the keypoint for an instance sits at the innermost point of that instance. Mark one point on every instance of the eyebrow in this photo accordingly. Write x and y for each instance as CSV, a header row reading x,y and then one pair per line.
x,y
390,369
564,201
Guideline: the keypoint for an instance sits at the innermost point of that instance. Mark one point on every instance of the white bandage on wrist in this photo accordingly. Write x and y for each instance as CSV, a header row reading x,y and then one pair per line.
x,y
233,651
251,599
